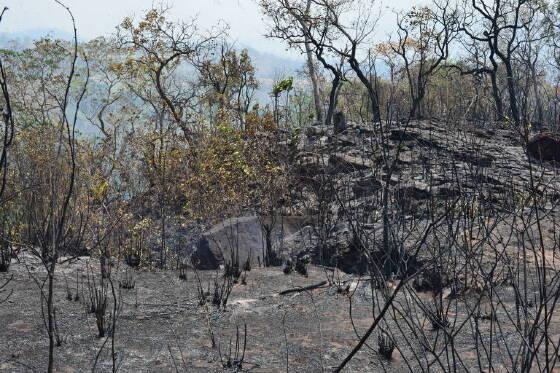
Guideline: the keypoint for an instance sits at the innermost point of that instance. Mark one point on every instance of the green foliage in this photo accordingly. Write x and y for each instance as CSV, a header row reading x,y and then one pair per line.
x,y
283,86
231,168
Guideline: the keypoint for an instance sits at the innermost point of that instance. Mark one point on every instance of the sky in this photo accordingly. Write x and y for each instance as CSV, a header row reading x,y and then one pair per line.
x,y
99,17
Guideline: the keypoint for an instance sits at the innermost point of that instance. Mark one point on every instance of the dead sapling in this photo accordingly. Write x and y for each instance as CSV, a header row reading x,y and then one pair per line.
x,y
183,271
98,303
69,295
235,356
3,287
77,295
247,266
101,301
301,265
201,294
106,263
437,316
57,336
6,253
288,267
91,287
222,289
488,313
385,345
244,279
127,281
232,271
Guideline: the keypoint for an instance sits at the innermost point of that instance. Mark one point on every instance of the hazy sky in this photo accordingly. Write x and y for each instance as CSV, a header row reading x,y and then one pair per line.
x,y
99,17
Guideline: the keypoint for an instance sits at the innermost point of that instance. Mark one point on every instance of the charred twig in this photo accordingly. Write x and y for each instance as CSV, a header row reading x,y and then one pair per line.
x,y
305,288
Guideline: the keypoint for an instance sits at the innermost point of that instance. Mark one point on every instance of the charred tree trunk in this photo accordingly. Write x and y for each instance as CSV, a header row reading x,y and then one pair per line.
x,y
50,317
314,84
332,100
512,94
267,230
374,100
496,96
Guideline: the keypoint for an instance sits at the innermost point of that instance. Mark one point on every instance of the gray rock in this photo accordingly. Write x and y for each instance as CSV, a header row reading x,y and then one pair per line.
x,y
241,239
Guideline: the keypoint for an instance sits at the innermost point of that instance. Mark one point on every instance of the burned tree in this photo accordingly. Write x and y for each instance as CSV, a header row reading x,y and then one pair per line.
x,y
326,28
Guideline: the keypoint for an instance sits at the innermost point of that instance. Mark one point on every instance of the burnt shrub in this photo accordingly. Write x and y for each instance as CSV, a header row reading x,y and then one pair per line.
x,y
301,265
288,267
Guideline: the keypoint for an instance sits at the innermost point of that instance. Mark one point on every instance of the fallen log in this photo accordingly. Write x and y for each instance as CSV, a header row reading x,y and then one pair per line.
x,y
305,288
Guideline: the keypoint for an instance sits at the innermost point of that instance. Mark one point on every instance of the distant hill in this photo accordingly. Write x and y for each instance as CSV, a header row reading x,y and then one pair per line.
x,y
271,65
268,65
25,38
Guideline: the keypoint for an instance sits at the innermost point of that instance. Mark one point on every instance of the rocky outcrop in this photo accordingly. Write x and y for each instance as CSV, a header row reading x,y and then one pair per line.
x,y
423,163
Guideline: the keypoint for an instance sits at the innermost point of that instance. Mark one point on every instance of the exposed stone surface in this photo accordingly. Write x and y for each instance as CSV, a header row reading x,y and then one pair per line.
x,y
422,162
242,238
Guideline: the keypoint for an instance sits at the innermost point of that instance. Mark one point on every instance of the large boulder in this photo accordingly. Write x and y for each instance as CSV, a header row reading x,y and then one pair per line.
x,y
205,257
545,147
241,237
